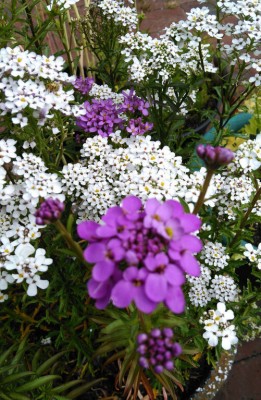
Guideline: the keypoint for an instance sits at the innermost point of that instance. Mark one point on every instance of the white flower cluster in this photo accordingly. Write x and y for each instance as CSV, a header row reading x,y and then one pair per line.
x,y
23,182
160,58
32,82
253,254
205,288
62,4
104,92
217,327
109,172
116,10
214,255
244,47
248,156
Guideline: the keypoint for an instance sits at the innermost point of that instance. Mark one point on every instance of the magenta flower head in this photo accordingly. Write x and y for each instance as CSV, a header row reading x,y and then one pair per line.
x,y
157,349
141,254
83,85
214,157
50,210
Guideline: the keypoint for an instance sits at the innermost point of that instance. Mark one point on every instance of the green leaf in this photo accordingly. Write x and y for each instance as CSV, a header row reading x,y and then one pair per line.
x,y
48,363
67,386
37,383
18,396
5,355
82,389
16,377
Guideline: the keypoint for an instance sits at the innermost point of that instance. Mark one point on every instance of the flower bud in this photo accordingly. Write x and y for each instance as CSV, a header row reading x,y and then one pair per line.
x,y
214,157
49,211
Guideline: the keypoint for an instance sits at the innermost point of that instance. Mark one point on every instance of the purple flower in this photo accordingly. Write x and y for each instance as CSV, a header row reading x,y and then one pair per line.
x,y
157,349
133,103
214,157
84,85
137,127
141,254
49,211
102,117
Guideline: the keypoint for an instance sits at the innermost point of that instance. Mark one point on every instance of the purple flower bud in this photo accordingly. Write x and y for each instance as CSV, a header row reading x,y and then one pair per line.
x,y
167,332
141,338
159,369
169,365
214,157
49,211
155,333
168,355
142,349
159,357
176,349
153,361
143,362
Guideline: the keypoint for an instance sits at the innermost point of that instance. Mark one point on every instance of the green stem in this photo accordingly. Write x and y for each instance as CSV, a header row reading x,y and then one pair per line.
x,y
245,218
70,242
203,192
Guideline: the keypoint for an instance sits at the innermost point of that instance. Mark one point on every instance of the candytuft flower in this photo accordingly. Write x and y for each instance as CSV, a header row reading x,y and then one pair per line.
x,y
141,254
157,349
214,157
49,211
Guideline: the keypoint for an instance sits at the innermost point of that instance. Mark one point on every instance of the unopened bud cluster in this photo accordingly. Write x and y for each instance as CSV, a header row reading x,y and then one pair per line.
x,y
49,211
157,349
214,157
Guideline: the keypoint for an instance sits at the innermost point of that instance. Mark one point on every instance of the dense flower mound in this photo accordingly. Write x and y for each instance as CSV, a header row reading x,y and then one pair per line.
x,y
157,349
49,211
141,254
34,84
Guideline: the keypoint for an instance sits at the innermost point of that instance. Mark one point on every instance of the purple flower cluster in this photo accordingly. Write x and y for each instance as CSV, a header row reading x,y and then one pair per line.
x,y
141,254
49,211
137,127
102,117
84,85
157,349
214,157
133,103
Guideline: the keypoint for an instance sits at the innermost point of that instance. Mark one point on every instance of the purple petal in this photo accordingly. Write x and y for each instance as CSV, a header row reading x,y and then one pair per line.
x,y
156,287
106,231
122,294
98,290
143,303
151,206
189,264
87,230
190,223
131,204
175,300
192,243
174,275
94,252
103,270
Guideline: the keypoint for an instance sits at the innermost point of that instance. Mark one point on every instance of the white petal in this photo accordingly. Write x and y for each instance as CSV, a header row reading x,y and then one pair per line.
x,y
24,250
32,290
42,284
229,314
221,307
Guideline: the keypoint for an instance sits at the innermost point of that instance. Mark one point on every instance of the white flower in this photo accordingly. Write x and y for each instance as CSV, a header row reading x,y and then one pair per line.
x,y
229,337
34,283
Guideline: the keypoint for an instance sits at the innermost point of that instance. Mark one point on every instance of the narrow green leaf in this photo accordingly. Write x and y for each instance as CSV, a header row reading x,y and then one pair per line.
x,y
67,386
35,359
82,389
16,377
48,363
19,396
37,382
5,355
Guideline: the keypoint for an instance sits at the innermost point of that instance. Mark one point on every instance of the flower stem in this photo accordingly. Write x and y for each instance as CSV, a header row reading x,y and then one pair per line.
x,y
203,192
245,218
70,242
